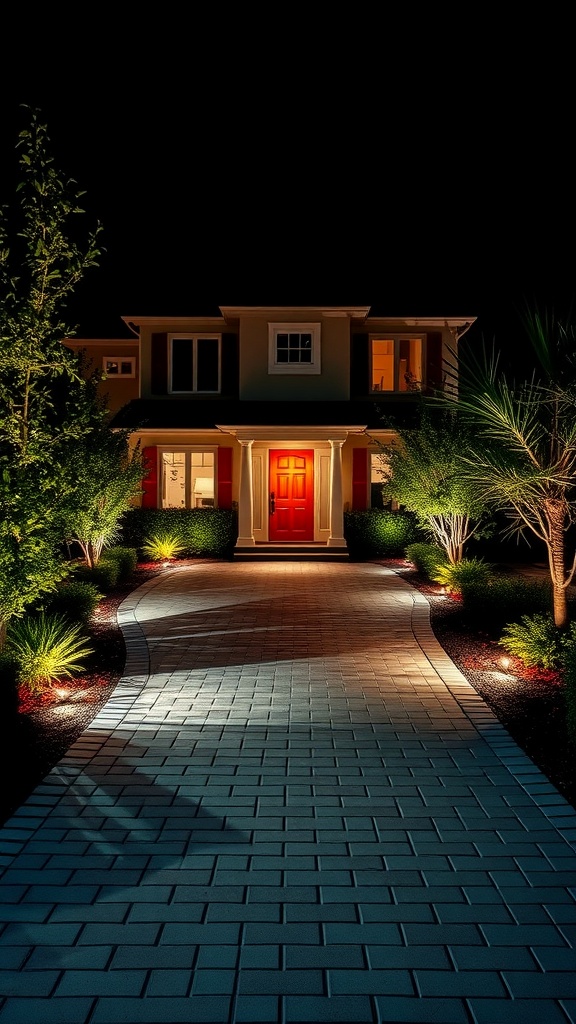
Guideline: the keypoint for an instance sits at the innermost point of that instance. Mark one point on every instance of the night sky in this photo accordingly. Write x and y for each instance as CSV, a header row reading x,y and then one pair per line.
x,y
230,168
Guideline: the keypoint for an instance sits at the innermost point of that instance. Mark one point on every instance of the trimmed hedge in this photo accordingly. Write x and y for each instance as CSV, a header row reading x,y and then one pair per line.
x,y
204,532
377,532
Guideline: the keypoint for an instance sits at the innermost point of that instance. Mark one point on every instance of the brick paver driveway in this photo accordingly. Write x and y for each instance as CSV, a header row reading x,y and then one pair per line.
x,y
303,813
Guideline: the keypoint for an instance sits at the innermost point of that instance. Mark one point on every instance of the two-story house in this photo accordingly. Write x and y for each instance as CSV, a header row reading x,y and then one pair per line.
x,y
276,410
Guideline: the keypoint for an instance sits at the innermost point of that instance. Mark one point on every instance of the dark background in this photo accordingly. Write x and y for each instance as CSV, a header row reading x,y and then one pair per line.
x,y
421,168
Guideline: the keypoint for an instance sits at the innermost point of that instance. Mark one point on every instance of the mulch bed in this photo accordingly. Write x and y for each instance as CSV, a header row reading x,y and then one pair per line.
x,y
530,703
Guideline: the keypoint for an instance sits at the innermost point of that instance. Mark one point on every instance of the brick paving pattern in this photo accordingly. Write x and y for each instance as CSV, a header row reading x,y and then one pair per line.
x,y
293,809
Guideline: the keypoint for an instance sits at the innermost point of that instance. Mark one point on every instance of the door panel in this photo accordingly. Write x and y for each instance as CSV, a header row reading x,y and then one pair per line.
x,y
291,503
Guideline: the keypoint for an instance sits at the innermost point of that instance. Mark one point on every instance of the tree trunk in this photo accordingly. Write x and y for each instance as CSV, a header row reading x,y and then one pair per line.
x,y
3,629
557,562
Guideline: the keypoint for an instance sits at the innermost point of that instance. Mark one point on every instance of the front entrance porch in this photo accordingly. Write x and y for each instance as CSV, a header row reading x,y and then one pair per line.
x,y
291,486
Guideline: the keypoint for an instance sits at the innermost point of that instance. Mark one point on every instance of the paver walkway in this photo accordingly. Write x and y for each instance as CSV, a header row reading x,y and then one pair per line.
x,y
303,813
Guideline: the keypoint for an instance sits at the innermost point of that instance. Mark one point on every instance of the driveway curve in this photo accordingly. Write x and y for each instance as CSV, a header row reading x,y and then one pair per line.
x,y
294,808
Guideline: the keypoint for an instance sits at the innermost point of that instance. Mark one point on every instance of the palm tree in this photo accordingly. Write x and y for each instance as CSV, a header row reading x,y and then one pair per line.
x,y
524,457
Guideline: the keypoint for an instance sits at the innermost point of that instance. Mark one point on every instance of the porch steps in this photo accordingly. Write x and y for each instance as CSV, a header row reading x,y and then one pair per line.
x,y
290,553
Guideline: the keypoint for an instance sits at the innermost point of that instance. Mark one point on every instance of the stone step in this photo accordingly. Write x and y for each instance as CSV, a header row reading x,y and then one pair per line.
x,y
290,553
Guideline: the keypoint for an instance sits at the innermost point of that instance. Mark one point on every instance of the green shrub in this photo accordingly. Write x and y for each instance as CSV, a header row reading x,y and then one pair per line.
x,y
75,600
161,546
377,532
46,648
104,575
469,571
503,599
205,532
426,557
127,559
535,639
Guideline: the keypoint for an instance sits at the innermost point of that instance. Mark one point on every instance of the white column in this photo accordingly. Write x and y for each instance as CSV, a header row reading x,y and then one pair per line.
x,y
245,514
336,538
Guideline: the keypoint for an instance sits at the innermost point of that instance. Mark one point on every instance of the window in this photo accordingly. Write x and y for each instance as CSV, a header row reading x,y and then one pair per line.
x,y
378,476
194,363
294,348
187,479
396,363
119,366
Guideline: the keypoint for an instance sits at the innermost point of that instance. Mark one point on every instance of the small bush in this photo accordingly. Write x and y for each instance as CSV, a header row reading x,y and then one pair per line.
x,y
46,647
427,558
469,571
376,532
161,546
126,558
503,599
535,640
103,576
75,600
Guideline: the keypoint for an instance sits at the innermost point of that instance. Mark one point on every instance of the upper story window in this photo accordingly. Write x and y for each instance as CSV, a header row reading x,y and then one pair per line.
x,y
396,362
294,348
119,366
194,363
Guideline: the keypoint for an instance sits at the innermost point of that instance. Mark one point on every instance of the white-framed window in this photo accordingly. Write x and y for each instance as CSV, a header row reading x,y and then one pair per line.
x,y
194,363
396,362
119,366
187,477
294,348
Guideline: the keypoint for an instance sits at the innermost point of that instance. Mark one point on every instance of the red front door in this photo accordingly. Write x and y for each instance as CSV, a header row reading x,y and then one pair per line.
x,y
291,498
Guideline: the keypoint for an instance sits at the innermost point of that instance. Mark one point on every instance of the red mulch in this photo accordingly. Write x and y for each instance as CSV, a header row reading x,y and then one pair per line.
x,y
529,702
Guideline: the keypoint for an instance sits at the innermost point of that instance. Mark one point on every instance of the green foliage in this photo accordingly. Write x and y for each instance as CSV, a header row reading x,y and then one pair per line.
x,y
504,598
209,532
126,558
41,262
108,473
379,533
469,571
75,600
535,639
162,546
46,647
103,576
523,442
426,557
423,472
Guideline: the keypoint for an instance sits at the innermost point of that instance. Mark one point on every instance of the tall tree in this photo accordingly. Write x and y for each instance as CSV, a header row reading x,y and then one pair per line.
x,y
524,452
41,262
422,472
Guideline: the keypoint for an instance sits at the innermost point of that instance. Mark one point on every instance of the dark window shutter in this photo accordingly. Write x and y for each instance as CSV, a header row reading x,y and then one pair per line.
x,y
224,478
159,364
150,481
359,365
230,366
434,373
359,478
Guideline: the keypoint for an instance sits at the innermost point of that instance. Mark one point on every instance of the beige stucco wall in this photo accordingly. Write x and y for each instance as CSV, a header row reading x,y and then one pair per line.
x,y
333,382
116,390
